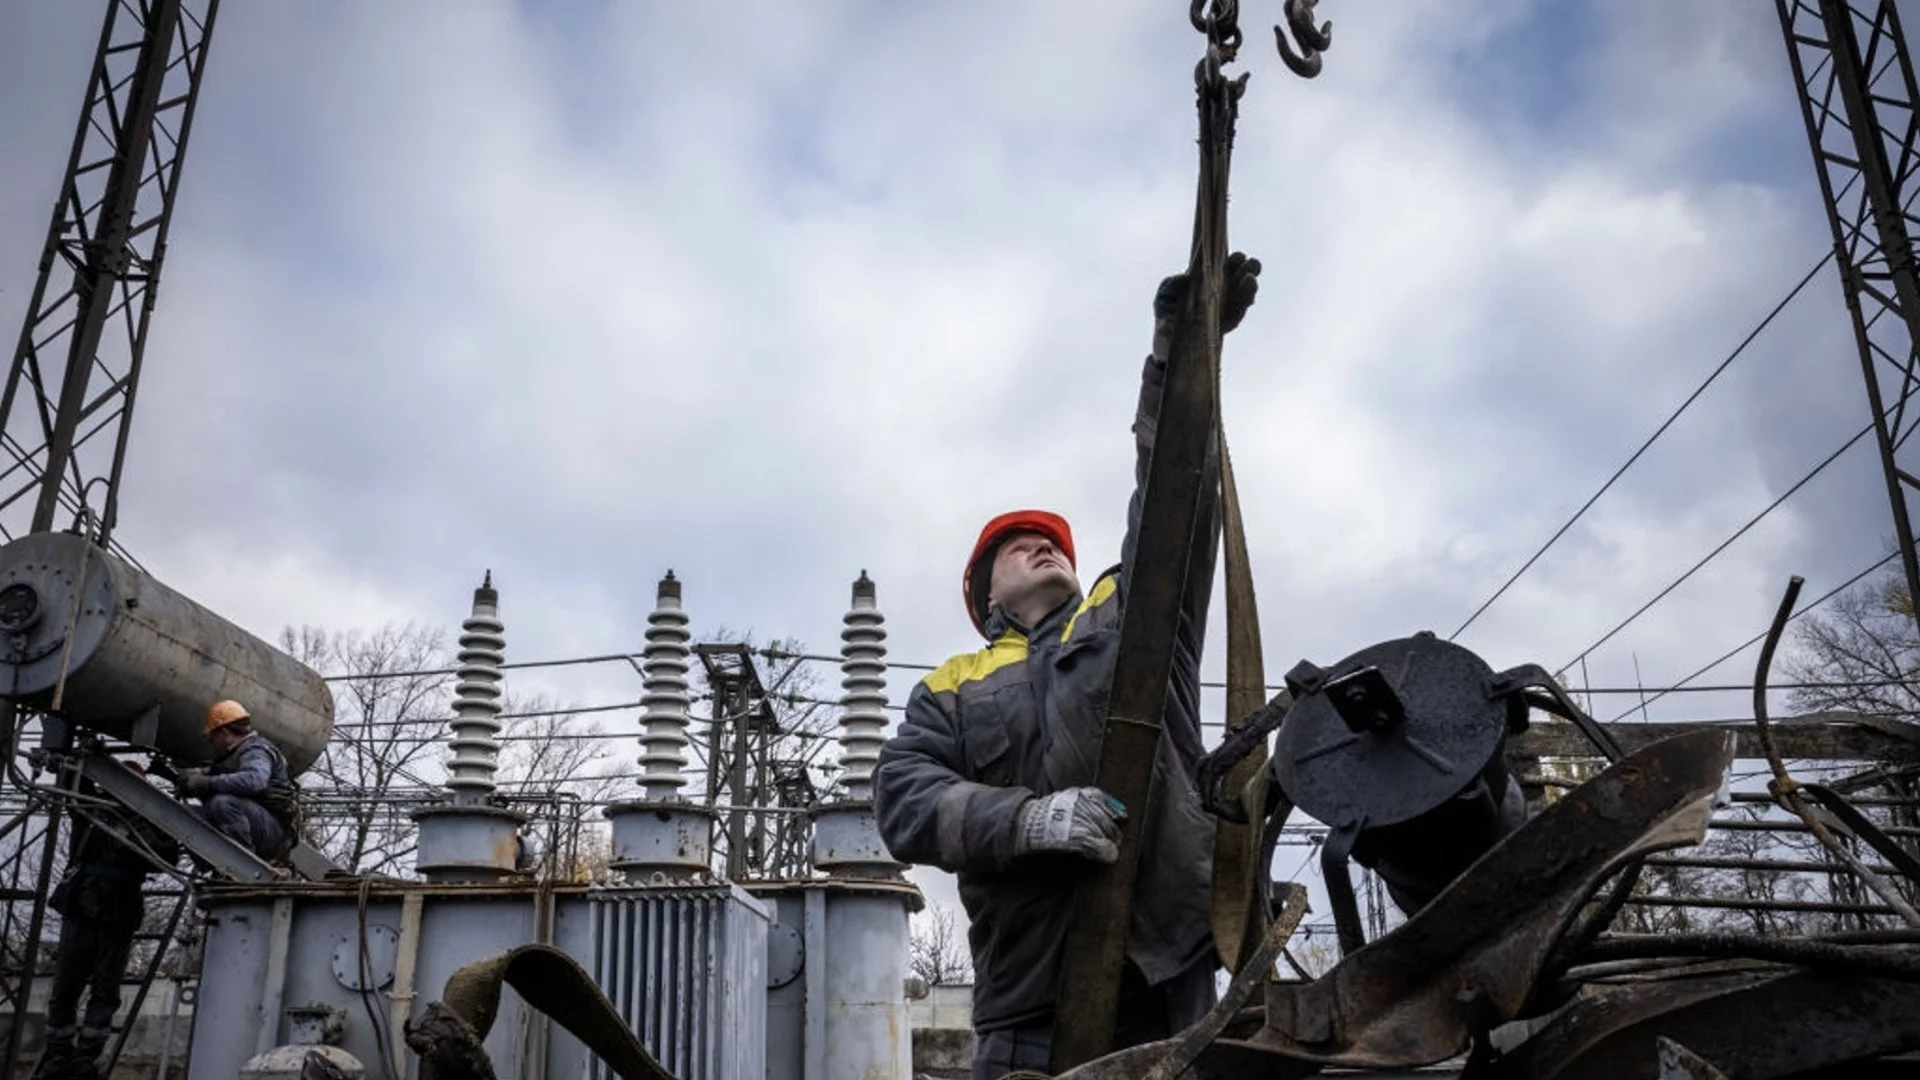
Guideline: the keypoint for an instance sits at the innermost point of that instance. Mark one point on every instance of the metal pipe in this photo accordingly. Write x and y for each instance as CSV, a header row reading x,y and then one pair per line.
x,y
1744,825
1737,904
1785,865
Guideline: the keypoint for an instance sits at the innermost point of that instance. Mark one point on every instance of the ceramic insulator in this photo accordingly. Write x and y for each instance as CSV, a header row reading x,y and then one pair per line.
x,y
863,680
664,698
476,699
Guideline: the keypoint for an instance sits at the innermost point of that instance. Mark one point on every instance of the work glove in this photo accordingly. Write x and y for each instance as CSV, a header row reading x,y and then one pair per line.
x,y
1236,296
194,782
1083,821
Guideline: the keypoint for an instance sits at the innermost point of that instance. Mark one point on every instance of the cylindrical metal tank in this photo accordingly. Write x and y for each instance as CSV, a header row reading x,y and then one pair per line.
x,y
136,653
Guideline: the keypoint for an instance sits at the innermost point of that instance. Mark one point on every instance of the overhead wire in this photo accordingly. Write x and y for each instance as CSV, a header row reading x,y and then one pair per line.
x,y
1642,449
1721,547
1757,638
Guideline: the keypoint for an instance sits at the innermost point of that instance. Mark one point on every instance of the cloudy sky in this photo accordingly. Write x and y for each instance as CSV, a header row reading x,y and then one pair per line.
x,y
771,293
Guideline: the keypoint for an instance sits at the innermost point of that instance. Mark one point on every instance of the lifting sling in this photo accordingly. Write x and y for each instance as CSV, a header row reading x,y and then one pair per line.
x,y
1189,420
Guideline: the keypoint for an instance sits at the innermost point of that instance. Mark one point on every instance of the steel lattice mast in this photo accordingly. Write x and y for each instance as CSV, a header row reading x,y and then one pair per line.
x,y
1857,96
77,364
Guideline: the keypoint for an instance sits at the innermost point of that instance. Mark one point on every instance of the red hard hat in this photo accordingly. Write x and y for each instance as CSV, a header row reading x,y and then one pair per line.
x,y
978,575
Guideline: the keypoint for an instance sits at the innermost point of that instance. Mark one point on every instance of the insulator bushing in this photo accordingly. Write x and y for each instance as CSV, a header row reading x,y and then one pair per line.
x,y
664,698
476,699
863,680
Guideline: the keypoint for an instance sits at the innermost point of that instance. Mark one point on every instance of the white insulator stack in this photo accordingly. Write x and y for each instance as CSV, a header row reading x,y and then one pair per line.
x,y
664,698
863,681
476,699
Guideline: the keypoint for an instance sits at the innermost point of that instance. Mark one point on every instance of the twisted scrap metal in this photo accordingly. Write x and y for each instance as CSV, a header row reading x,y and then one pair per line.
x,y
1789,793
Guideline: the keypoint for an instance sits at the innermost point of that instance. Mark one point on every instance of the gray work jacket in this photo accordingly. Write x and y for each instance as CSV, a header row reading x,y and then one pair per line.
x,y
1022,717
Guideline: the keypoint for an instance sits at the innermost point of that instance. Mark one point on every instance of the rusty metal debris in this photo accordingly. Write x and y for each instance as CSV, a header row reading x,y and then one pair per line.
x,y
1393,731
1754,1023
1791,795
1469,959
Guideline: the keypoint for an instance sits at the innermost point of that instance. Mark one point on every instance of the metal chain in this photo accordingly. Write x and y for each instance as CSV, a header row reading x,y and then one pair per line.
x,y
1219,20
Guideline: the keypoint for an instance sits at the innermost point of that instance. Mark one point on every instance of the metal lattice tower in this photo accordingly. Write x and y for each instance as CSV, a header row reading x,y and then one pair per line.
x,y
1857,96
76,367
476,699
664,698
863,677
77,364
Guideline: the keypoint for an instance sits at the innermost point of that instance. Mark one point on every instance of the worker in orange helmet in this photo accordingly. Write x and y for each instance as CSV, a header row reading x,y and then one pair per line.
x,y
248,791
991,774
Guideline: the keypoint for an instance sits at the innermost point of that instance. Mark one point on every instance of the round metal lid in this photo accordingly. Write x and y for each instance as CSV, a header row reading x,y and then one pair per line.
x,y
1388,733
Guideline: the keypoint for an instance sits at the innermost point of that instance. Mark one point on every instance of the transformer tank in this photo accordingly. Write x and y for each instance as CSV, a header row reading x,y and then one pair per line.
x,y
142,662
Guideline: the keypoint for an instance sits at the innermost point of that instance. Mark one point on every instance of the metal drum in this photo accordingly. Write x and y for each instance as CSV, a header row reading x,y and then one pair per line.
x,y
140,661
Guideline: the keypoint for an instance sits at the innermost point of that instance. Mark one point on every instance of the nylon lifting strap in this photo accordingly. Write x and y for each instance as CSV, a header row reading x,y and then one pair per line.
x,y
1155,591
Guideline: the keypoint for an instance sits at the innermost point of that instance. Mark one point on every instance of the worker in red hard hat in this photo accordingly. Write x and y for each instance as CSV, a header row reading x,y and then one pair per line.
x,y
991,775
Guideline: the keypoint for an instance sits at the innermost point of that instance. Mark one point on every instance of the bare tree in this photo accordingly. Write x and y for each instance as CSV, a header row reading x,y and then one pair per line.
x,y
390,698
559,768
937,948
1862,653
548,746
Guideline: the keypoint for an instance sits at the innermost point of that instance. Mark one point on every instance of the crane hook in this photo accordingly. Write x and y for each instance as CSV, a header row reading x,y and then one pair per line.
x,y
1313,40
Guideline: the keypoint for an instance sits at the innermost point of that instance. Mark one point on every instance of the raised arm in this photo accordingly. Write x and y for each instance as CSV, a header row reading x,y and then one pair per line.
x,y
1183,692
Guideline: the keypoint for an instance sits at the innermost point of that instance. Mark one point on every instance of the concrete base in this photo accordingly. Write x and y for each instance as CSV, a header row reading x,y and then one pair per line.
x,y
660,842
468,844
846,842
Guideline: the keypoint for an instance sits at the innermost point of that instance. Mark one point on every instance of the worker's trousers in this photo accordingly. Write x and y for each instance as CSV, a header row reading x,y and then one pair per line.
x,y
92,956
1146,1013
252,824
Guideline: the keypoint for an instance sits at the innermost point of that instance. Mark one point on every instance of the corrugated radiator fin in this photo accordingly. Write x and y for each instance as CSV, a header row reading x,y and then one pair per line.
x,y
687,968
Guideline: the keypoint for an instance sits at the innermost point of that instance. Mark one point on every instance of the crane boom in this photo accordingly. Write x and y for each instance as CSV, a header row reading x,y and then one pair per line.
x,y
1857,96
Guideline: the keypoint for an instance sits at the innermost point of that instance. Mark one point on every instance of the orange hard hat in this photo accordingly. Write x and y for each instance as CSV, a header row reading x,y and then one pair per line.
x,y
222,713
979,573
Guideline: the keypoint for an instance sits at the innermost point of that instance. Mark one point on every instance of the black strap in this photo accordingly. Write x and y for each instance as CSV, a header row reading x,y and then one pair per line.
x,y
1155,591
547,980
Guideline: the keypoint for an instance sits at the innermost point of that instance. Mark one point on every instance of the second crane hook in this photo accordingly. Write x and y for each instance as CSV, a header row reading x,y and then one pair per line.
x,y
1313,39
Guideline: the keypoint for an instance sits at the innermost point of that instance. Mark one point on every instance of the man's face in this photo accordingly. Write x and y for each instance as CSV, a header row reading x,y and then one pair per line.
x,y
1029,572
224,739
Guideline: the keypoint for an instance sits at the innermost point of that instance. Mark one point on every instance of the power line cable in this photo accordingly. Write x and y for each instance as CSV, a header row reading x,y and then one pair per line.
x,y
1722,546
1756,639
1635,456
